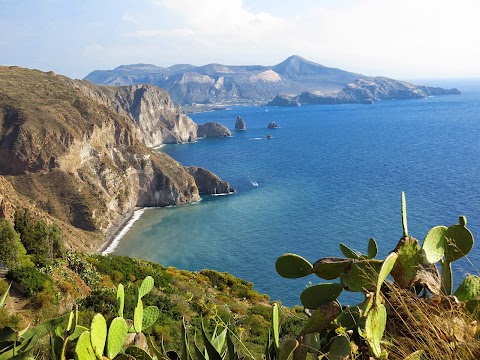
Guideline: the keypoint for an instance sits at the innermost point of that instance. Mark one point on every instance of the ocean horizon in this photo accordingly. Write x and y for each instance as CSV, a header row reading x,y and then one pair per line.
x,y
330,174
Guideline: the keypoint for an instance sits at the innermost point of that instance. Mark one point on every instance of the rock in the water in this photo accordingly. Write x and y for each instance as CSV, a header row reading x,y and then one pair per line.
x,y
212,130
273,125
240,124
208,183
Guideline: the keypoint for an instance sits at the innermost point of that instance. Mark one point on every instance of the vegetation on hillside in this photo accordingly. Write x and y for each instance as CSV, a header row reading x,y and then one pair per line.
x,y
410,309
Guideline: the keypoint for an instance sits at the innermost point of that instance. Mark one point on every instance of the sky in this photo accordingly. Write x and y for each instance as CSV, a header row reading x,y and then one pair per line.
x,y
403,39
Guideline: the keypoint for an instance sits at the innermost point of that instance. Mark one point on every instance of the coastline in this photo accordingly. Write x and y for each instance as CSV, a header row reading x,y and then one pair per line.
x,y
118,230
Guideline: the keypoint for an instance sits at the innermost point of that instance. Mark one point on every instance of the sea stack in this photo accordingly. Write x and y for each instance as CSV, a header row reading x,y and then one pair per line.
x,y
272,125
240,124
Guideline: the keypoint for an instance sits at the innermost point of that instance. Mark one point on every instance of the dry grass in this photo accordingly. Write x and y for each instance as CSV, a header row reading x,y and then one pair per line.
x,y
439,326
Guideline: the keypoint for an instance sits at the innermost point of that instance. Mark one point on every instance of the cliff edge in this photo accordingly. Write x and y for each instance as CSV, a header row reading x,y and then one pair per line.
x,y
67,154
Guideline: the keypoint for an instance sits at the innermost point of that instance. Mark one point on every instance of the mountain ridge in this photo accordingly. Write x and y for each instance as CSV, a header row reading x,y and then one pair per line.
x,y
229,84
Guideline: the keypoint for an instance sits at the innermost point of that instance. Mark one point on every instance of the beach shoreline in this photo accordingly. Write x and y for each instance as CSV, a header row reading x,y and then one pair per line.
x,y
118,230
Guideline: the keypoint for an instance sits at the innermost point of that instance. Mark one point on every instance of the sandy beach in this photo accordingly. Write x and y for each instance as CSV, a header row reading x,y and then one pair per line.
x,y
118,230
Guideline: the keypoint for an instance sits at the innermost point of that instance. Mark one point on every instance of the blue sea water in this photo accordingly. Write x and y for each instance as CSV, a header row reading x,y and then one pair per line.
x,y
330,174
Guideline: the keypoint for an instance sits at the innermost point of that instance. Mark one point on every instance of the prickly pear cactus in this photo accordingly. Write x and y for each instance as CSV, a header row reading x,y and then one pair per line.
x,y
372,248
138,316
331,268
340,348
375,327
406,265
362,276
459,241
469,288
292,266
120,299
434,244
83,348
287,348
117,332
146,287
98,334
150,316
321,318
319,294
348,253
386,268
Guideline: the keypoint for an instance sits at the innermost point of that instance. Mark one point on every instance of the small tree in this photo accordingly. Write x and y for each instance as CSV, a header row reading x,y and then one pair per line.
x,y
12,252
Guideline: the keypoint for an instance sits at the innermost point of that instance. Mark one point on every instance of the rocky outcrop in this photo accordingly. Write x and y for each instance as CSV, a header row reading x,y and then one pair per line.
x,y
76,160
240,124
284,100
272,125
208,183
212,130
364,91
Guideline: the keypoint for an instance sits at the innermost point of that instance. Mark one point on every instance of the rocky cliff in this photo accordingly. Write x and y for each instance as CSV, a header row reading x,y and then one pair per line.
x,y
208,183
364,91
78,162
158,121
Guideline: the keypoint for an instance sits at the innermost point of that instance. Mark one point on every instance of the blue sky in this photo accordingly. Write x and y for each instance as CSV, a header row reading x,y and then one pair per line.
x,y
402,39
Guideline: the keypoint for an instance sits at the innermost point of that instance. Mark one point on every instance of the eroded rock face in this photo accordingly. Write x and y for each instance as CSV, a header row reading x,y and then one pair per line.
x,y
77,160
240,124
208,183
212,130
158,121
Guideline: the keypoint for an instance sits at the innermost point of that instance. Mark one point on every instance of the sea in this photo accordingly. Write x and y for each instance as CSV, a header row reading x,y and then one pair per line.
x,y
329,174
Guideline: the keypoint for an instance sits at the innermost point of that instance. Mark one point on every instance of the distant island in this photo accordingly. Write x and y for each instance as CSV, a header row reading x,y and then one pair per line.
x,y
294,81
364,91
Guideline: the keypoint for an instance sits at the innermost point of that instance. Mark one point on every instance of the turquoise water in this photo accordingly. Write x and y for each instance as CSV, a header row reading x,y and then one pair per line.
x,y
330,174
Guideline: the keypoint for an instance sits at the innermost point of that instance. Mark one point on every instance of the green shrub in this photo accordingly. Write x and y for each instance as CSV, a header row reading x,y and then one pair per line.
x,y
124,269
31,280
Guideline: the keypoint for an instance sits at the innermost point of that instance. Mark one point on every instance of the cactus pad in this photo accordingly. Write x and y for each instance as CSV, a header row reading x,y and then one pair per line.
x,y
287,348
404,215
319,294
372,248
146,287
340,348
117,333
406,266
150,316
331,268
321,317
469,289
374,328
138,316
447,279
459,242
98,334
362,276
434,244
83,349
347,252
120,299
292,266
275,325
138,353
386,268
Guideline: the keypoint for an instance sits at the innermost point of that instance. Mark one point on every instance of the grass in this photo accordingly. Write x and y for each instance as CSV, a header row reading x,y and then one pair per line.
x,y
439,327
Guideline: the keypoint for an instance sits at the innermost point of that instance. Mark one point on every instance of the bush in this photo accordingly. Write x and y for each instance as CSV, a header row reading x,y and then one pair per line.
x,y
30,279
124,269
